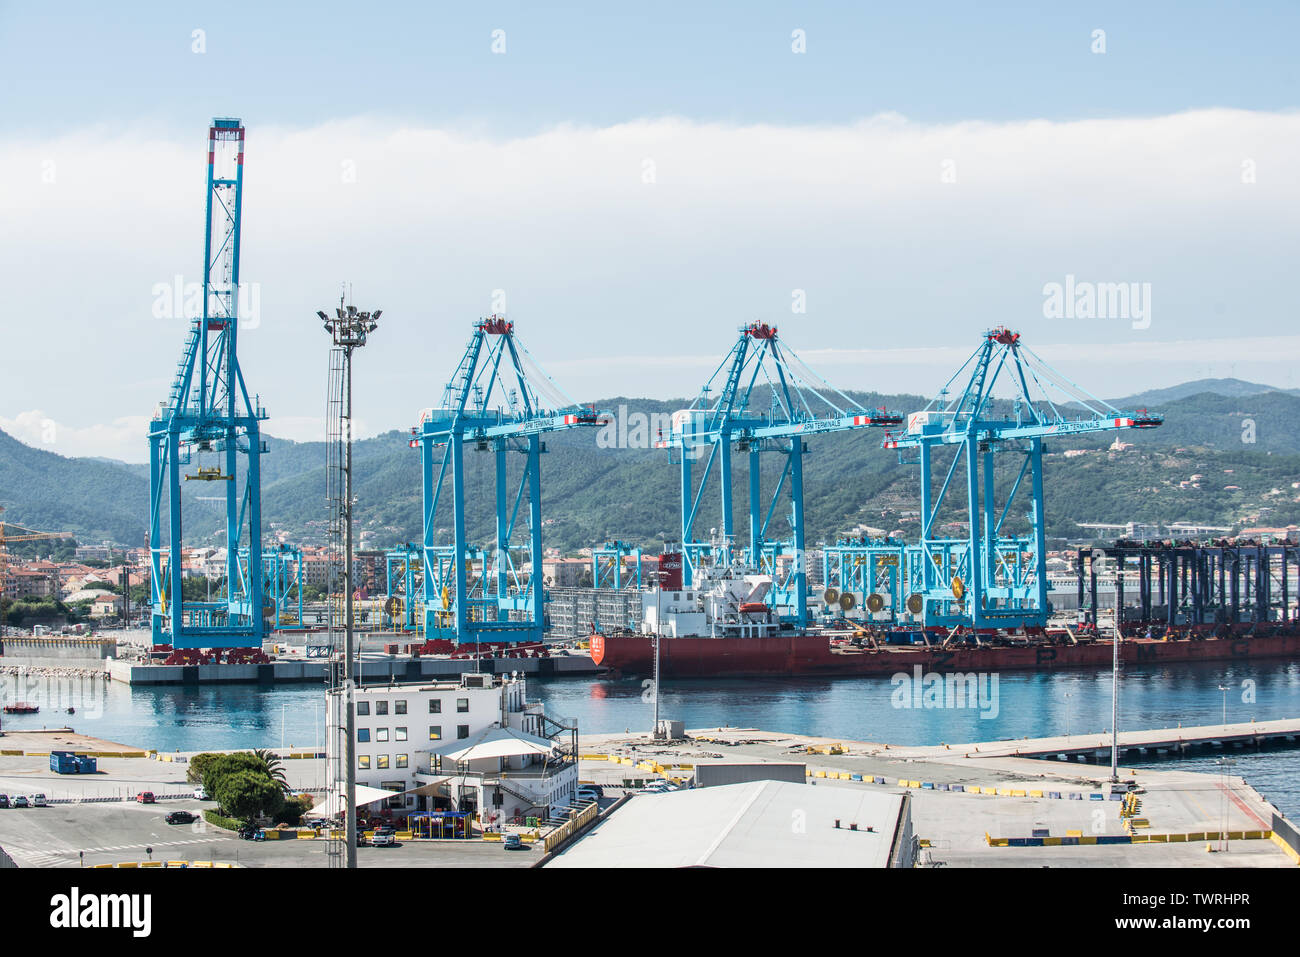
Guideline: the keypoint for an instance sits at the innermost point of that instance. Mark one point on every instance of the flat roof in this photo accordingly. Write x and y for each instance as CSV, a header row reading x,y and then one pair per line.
x,y
756,824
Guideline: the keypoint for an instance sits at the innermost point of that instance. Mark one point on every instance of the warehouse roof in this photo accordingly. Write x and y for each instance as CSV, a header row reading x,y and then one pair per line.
x,y
757,824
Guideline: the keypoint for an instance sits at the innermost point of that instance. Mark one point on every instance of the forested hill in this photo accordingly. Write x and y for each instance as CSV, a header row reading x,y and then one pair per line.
x,y
1243,445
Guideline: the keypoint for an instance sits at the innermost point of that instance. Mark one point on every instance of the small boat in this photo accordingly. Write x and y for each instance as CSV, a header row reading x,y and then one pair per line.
x,y
21,707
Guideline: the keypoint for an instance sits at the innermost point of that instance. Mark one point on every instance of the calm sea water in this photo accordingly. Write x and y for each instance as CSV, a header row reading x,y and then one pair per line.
x,y
863,709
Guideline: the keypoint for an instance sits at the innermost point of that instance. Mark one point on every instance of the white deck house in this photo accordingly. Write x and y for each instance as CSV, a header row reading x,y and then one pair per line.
x,y
473,744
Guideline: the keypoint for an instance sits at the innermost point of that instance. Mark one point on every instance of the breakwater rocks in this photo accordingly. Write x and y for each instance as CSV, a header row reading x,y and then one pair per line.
x,y
23,671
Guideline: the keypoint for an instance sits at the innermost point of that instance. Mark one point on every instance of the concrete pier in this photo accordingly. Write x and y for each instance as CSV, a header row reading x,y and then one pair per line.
x,y
992,808
1133,745
373,669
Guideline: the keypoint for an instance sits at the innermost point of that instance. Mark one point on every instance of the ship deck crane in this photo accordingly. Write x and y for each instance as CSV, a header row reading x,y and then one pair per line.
x,y
802,403
499,400
209,410
988,579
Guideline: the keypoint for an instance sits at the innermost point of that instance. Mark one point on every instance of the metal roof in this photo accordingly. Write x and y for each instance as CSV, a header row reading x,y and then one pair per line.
x,y
758,824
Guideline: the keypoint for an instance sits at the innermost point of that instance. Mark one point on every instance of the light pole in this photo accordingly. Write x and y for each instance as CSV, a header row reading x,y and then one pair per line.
x,y
1224,689
349,330
1114,708
659,594
1224,764
1068,696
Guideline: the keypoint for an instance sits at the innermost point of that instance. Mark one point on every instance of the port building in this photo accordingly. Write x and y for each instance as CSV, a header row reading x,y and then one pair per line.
x,y
474,745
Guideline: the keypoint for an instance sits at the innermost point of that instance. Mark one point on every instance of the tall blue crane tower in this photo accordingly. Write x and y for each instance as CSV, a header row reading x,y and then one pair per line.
x,y
209,412
986,579
499,400
799,403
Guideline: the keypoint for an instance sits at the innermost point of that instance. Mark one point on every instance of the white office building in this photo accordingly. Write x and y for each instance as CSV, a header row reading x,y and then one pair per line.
x,y
471,744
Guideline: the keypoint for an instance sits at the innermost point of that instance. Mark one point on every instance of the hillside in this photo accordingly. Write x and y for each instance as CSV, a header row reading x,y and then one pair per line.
x,y
591,494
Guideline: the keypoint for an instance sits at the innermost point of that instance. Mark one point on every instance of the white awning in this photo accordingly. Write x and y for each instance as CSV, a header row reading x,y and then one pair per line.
x,y
495,742
332,805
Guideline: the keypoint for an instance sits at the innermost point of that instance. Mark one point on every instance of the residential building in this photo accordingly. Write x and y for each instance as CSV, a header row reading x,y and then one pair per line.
x,y
21,582
566,572
106,606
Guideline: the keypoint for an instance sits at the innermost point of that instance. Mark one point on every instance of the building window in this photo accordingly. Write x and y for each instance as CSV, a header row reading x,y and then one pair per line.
x,y
399,707
381,734
381,707
363,735
363,707
401,760
363,762
462,731
435,732
462,704
381,762
398,799
435,706
399,734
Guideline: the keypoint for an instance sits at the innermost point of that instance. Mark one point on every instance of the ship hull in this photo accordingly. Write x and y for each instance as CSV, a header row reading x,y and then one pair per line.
x,y
807,655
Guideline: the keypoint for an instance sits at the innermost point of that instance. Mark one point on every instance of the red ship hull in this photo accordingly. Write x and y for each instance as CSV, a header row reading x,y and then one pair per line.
x,y
815,655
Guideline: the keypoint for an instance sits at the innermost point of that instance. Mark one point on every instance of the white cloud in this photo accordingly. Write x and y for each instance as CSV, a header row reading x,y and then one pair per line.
x,y
117,439
611,279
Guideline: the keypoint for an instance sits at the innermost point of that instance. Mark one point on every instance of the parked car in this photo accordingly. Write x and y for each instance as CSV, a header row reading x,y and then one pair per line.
x,y
513,842
180,817
4,801
586,795
383,837
146,797
39,800
200,794
20,801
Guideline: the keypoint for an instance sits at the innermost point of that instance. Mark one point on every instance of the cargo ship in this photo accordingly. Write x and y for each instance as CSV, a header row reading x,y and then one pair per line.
x,y
720,626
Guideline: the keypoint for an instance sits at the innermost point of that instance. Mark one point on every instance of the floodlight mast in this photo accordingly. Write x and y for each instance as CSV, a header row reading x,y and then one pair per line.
x,y
349,330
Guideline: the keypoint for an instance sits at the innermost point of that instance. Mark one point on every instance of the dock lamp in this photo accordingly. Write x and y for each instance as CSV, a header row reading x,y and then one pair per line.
x,y
349,329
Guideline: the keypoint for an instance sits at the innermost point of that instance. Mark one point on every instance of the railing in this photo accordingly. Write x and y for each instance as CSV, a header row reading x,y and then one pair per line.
x,y
576,822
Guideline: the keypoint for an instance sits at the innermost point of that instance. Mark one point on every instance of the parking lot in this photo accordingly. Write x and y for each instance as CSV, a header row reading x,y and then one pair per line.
x,y
93,820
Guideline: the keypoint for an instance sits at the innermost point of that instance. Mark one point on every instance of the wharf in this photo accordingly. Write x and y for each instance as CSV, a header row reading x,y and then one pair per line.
x,y
983,805
374,668
1133,745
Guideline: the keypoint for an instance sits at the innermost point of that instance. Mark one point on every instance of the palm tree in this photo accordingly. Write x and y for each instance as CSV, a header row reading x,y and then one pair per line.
x,y
272,763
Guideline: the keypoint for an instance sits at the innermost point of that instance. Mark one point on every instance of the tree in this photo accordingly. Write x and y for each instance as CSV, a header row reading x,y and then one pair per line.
x,y
200,765
271,761
225,765
246,795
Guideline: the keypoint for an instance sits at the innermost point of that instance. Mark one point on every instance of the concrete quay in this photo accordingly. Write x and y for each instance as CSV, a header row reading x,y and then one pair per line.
x,y
374,668
969,806
1133,745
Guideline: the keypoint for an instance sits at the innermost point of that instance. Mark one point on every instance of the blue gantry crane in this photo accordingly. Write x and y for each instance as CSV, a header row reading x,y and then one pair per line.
x,y
987,579
726,415
210,413
607,566
499,400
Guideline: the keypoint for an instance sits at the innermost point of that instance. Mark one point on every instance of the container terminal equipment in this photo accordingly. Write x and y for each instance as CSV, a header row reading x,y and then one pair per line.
x,y
974,603
722,603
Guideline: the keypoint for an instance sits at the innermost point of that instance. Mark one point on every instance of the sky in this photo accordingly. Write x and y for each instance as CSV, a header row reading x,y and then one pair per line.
x,y
631,183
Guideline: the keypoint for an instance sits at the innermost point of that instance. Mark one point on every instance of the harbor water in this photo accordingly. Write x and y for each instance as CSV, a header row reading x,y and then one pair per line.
x,y
898,710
